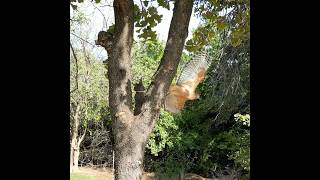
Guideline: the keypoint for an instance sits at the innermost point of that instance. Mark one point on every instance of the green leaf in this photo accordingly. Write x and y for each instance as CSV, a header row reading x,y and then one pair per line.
x,y
210,34
145,3
238,18
236,37
137,13
158,17
221,25
214,2
97,1
152,23
210,15
111,29
152,10
143,23
164,3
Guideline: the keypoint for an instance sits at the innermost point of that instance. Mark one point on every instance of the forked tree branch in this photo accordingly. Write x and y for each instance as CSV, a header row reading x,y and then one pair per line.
x,y
167,69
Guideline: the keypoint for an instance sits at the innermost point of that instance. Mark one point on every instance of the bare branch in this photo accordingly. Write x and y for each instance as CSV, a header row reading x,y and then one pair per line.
x,y
104,18
142,6
82,39
77,71
86,56
106,5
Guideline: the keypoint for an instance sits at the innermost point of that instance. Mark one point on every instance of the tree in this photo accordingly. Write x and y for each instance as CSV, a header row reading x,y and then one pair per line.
x,y
131,131
88,85
87,98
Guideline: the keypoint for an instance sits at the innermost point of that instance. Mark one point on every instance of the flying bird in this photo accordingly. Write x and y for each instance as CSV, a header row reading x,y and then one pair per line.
x,y
185,89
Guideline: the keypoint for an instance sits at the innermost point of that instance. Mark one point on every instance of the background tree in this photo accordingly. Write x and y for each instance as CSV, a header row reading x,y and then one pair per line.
x,y
88,86
87,100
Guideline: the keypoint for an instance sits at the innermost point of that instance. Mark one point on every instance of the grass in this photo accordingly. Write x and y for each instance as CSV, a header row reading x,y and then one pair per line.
x,y
84,173
80,176
75,176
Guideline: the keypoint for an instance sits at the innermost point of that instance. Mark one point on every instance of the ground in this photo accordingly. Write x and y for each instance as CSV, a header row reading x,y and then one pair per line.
x,y
88,173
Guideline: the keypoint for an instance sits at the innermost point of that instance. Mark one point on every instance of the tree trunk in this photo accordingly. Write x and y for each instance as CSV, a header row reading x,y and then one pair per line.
x,y
74,149
71,154
131,130
129,152
76,154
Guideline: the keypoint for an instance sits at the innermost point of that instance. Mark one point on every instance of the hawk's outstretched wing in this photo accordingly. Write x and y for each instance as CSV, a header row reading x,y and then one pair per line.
x,y
192,74
193,67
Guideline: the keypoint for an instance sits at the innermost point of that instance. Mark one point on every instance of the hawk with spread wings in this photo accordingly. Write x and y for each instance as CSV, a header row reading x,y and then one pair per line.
x,y
185,89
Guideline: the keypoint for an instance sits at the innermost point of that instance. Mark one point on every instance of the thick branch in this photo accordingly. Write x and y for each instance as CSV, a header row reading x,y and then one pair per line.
x,y
76,117
167,69
81,138
119,71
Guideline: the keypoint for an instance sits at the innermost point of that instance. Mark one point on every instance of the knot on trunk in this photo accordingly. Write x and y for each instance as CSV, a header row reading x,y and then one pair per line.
x,y
105,40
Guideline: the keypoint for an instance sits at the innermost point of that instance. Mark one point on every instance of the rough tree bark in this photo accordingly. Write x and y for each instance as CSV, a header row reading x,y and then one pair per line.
x,y
131,130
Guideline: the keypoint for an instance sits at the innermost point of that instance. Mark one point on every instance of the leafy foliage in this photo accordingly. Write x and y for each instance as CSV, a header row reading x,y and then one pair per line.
x,y
209,135
160,138
218,15
78,19
88,86
73,3
146,58
146,18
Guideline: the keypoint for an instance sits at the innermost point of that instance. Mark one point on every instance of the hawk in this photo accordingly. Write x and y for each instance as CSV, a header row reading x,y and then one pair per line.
x,y
185,89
